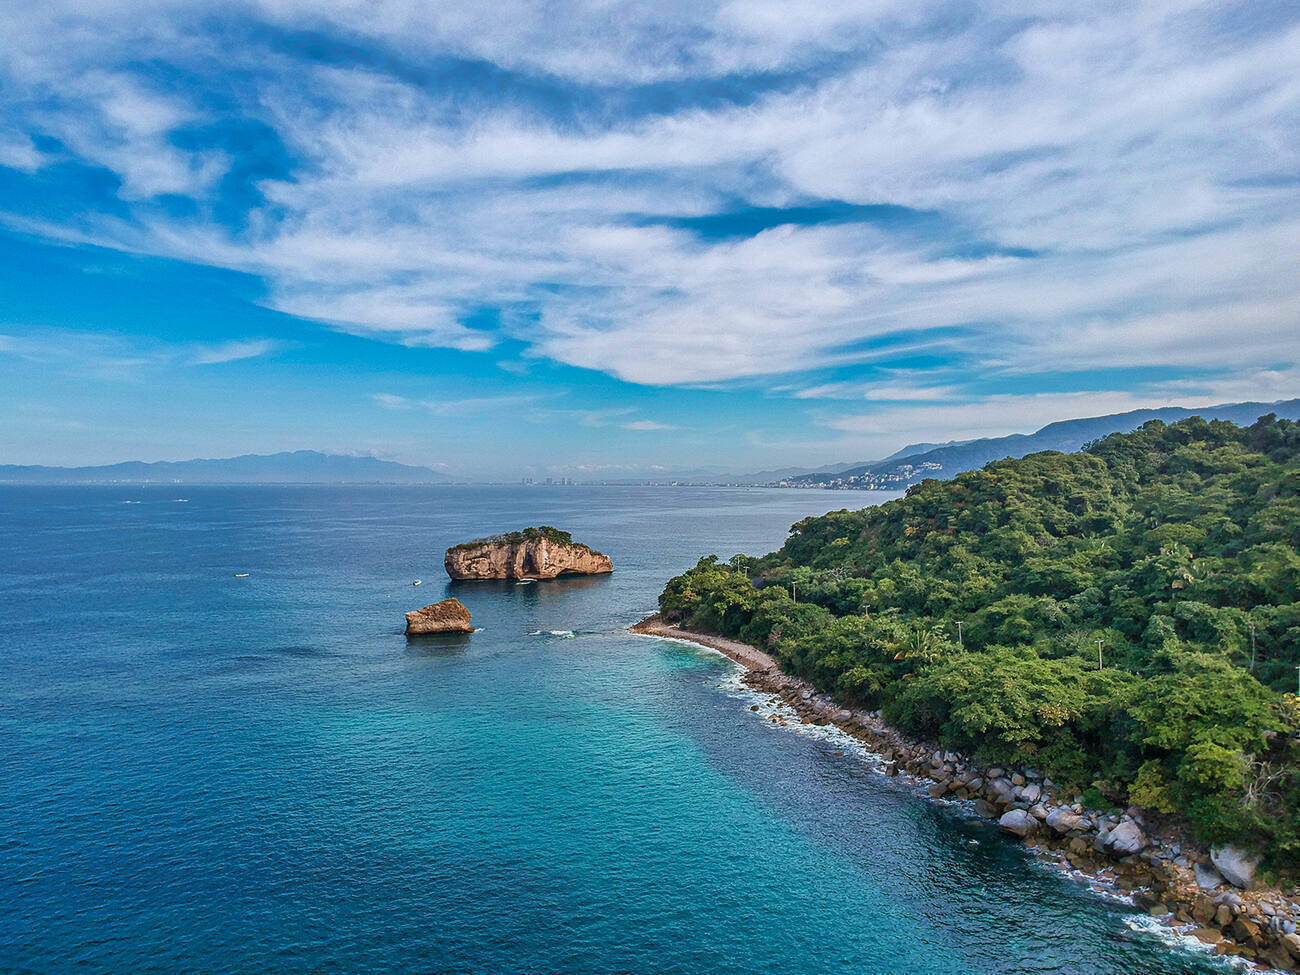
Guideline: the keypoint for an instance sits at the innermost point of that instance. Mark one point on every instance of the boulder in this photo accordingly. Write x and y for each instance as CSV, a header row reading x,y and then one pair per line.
x,y
1247,932
1237,866
1000,790
1126,838
534,553
1207,877
448,616
1032,793
1278,957
1292,943
1064,821
1018,822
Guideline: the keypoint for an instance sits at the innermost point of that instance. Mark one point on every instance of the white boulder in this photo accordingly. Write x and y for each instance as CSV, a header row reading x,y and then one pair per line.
x,y
1237,866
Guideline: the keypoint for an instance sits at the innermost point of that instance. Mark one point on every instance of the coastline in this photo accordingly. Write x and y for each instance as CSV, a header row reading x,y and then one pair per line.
x,y
1152,863
749,657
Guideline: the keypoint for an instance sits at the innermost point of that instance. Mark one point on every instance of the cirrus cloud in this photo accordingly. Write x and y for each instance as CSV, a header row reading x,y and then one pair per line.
x,y
1088,185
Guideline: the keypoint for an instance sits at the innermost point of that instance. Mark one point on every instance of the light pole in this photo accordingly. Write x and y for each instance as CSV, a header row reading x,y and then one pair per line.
x,y
960,642
1099,642
1252,648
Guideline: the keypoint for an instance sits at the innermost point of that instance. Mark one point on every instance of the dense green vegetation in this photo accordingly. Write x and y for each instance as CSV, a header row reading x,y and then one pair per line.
x,y
527,535
1161,550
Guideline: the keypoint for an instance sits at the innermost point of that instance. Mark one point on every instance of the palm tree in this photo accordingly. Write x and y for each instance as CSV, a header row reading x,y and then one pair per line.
x,y
923,643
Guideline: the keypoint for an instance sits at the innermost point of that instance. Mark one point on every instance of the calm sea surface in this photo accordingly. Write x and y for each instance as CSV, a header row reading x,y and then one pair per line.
x,y
200,773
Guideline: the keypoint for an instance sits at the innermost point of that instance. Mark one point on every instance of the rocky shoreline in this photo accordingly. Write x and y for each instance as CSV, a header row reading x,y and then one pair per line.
x,y
1209,895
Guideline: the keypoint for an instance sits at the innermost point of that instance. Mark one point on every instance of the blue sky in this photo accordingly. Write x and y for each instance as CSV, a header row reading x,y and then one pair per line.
x,y
609,238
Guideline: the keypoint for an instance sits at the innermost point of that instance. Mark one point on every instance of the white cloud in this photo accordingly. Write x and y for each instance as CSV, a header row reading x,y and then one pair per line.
x,y
1140,150
458,406
648,425
17,151
209,355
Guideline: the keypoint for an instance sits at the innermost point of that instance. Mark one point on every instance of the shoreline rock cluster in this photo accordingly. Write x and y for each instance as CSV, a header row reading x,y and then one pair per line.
x,y
1208,894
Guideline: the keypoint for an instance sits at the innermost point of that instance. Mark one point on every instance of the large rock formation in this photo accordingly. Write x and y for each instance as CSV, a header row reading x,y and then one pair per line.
x,y
535,553
448,616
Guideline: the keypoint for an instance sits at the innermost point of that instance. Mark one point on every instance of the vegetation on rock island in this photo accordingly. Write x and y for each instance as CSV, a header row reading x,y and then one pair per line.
x,y
1125,618
554,535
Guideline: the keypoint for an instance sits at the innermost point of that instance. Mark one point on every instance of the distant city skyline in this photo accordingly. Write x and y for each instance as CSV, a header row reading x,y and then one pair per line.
x,y
599,240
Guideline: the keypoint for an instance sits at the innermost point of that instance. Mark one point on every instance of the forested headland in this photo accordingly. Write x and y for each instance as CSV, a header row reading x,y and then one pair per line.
x,y
1125,618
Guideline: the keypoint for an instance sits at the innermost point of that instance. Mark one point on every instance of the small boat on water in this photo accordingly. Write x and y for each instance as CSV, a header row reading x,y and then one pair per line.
x,y
417,582
241,575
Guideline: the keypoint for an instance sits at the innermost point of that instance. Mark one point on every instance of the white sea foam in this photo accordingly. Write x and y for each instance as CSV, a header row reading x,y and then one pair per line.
x,y
771,705
1180,938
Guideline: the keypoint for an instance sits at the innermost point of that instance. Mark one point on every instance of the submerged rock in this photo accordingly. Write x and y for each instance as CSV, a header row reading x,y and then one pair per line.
x,y
448,616
534,553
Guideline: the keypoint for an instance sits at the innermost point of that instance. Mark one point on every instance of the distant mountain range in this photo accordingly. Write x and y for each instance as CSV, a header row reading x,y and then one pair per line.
x,y
914,464
296,467
904,467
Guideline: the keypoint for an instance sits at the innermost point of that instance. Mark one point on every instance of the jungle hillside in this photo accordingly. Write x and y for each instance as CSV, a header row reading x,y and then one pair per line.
x,y
1124,618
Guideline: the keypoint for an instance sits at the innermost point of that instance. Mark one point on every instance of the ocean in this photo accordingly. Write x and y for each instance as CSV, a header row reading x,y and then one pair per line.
x,y
205,773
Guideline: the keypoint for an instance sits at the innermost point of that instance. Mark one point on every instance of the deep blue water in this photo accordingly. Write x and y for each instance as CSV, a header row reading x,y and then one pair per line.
x,y
211,774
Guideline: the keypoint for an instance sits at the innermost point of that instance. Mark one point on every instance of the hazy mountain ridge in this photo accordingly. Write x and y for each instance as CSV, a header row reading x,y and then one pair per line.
x,y
901,470
287,467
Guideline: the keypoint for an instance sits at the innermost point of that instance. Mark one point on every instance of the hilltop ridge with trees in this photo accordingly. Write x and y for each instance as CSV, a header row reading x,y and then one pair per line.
x,y
1126,618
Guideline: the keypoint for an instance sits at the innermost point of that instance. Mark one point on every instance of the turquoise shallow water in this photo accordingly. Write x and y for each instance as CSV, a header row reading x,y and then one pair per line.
x,y
204,773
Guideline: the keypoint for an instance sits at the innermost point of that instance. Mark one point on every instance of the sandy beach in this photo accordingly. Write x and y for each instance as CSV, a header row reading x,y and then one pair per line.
x,y
751,658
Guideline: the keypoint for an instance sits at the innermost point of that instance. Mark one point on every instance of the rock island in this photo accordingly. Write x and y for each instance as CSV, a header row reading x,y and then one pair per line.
x,y
448,616
534,553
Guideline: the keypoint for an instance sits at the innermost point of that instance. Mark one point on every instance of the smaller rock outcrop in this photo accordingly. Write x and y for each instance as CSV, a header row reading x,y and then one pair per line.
x,y
448,616
534,553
